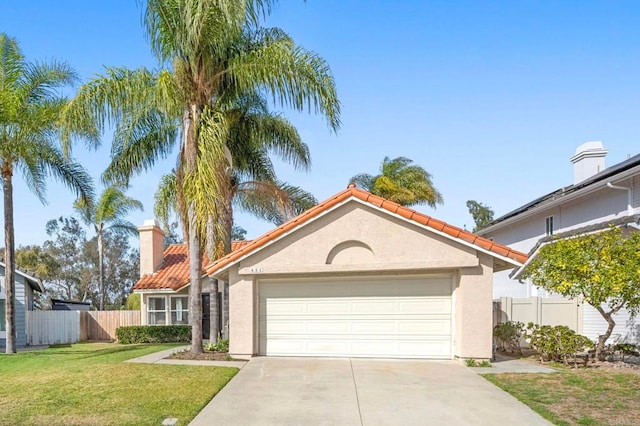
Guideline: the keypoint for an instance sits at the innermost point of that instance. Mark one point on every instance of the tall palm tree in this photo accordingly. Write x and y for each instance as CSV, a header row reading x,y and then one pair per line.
x,y
30,108
211,52
109,212
401,181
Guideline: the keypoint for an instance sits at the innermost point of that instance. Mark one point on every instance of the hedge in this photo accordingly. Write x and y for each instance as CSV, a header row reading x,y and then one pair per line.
x,y
153,334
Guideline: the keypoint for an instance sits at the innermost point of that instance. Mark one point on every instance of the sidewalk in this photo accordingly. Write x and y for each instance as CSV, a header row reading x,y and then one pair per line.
x,y
159,358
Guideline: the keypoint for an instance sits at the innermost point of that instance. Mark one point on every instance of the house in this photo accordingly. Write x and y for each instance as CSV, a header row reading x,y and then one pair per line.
x,y
357,275
600,196
25,286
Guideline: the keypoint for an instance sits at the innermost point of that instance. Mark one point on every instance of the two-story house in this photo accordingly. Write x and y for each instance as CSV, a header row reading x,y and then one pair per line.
x,y
598,197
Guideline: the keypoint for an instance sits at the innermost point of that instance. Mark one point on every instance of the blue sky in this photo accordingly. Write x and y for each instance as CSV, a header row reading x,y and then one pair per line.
x,y
492,99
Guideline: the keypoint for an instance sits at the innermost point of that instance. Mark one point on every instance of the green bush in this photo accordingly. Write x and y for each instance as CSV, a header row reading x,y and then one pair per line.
x,y
508,336
626,349
558,343
153,334
221,346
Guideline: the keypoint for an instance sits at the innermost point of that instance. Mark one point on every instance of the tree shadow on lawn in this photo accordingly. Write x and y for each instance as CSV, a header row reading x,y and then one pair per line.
x,y
79,352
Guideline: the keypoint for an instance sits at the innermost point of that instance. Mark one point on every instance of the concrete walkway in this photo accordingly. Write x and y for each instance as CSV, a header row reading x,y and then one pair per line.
x,y
506,364
325,391
159,358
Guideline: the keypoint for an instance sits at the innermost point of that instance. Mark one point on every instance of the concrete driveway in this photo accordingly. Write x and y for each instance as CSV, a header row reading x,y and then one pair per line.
x,y
321,391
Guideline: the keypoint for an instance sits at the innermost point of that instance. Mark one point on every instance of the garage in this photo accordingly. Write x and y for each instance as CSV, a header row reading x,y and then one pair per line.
x,y
398,317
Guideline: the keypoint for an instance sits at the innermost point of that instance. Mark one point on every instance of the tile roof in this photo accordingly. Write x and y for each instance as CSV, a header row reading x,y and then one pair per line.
x,y
174,272
353,192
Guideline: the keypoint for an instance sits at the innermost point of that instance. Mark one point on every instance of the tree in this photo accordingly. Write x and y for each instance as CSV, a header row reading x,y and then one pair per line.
x,y
482,215
30,111
109,212
120,264
70,279
600,268
212,53
401,181
238,233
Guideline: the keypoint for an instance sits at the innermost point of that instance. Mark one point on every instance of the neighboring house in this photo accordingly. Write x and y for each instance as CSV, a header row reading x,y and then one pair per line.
x,y
69,305
599,197
25,286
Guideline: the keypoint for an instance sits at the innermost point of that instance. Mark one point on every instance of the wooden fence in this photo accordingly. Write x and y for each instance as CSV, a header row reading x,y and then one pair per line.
x,y
60,327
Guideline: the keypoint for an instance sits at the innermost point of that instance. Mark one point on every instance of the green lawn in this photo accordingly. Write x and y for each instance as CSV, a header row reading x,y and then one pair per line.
x,y
583,397
88,384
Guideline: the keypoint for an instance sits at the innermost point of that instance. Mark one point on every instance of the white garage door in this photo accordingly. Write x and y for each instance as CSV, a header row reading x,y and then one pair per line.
x,y
393,317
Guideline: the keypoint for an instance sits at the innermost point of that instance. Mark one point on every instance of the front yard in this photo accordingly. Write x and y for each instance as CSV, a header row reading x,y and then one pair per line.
x,y
578,397
89,384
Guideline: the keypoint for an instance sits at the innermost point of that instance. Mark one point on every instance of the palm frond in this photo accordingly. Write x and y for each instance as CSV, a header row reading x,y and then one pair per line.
x,y
276,202
294,77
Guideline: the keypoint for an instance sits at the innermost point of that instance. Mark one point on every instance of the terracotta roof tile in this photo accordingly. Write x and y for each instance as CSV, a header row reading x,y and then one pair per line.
x,y
174,272
367,197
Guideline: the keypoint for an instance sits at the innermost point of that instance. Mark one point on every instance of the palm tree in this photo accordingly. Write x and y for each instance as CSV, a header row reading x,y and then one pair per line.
x,y
109,212
30,109
211,53
401,181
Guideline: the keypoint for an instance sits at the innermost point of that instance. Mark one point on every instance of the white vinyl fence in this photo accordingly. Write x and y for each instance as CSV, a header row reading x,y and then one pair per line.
x,y
61,327
540,310
53,327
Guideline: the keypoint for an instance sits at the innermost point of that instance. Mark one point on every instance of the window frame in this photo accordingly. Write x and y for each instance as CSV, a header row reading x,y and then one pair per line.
x,y
548,225
156,311
183,311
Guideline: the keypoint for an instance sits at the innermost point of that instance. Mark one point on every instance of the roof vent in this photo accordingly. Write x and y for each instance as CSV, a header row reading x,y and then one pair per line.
x,y
588,161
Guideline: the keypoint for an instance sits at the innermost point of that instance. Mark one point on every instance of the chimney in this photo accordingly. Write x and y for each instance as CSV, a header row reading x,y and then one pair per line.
x,y
588,161
151,247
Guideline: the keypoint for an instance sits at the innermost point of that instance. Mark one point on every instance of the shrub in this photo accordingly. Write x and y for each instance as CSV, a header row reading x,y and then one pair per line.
x,y
558,343
508,336
626,349
153,334
221,345
470,362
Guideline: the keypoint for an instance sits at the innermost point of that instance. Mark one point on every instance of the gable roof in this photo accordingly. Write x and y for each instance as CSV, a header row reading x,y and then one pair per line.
x,y
601,178
352,193
34,282
173,274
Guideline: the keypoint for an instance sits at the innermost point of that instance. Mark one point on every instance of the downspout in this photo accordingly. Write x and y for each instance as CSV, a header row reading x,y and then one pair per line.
x,y
629,200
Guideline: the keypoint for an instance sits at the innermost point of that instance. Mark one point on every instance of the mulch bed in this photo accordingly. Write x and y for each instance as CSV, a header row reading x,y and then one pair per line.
x,y
205,356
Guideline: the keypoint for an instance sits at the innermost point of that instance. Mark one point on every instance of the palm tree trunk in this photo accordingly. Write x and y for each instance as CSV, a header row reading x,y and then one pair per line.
x,y
228,226
9,258
195,287
101,269
214,312
190,158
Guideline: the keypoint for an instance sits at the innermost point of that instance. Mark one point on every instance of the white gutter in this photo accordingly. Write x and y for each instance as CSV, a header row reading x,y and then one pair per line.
x,y
629,195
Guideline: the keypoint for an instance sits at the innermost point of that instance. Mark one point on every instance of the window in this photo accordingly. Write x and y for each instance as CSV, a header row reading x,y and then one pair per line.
x,y
179,310
156,309
549,225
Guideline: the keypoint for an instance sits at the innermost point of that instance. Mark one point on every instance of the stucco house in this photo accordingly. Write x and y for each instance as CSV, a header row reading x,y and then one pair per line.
x,y
356,275
599,196
25,286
